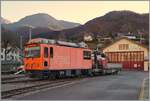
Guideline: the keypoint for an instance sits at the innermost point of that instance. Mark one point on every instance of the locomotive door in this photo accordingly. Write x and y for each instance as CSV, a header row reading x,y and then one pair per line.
x,y
46,57
50,56
137,60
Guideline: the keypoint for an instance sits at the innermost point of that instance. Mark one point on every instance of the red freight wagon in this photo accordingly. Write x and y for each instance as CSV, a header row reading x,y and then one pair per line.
x,y
55,58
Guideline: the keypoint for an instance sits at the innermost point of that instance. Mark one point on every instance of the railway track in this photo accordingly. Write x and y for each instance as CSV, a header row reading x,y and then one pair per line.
x,y
10,77
16,79
38,86
20,81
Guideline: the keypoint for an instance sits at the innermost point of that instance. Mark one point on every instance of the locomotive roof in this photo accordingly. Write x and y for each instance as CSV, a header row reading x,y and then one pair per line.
x,y
56,42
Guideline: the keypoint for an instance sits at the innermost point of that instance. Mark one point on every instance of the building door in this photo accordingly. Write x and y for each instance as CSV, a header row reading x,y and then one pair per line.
x,y
133,60
137,60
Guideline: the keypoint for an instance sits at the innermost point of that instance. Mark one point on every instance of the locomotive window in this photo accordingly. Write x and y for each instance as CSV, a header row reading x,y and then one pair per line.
x,y
32,52
86,55
46,52
51,52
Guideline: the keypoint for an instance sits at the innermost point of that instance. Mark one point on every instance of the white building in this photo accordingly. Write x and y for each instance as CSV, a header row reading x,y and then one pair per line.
x,y
88,38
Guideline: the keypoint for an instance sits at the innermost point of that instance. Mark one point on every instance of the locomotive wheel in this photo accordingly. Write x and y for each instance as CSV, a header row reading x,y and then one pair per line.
x,y
31,76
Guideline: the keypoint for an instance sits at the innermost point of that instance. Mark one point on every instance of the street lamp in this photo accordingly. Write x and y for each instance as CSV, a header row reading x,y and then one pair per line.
x,y
30,32
21,42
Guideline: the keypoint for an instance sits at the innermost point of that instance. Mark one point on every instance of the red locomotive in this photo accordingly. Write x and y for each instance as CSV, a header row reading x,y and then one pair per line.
x,y
58,58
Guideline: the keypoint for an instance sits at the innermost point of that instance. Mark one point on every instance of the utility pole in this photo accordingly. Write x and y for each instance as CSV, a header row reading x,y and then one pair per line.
x,y
21,50
21,42
30,33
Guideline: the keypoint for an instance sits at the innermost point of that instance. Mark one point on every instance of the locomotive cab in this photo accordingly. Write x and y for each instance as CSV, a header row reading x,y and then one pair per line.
x,y
37,56
37,59
32,59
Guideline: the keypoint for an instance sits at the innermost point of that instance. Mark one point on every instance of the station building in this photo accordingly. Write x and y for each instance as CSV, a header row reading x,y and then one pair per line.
x,y
132,55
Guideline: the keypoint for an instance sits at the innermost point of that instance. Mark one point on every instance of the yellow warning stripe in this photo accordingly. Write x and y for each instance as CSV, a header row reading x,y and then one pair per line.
x,y
141,97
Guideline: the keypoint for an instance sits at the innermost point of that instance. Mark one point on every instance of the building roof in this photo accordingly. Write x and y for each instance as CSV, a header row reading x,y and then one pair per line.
x,y
126,39
130,36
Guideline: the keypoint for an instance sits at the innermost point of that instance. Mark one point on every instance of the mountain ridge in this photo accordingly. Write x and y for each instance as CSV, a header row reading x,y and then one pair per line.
x,y
4,21
108,25
41,20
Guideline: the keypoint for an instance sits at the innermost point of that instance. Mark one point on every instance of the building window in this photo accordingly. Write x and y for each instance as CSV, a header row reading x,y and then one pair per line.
x,y
123,46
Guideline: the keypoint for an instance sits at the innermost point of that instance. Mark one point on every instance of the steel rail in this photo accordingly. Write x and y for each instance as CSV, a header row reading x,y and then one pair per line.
x,y
19,81
12,77
18,91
